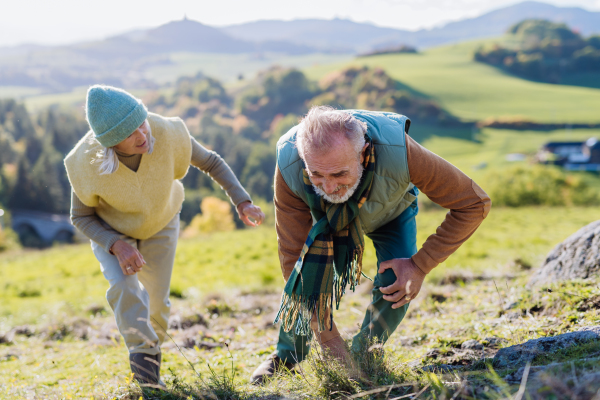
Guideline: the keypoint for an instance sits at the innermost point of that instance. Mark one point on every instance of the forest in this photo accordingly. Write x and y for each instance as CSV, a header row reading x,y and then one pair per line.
x,y
241,125
543,51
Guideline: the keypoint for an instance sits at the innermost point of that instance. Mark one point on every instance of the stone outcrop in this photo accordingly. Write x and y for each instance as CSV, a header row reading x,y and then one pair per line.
x,y
518,355
578,257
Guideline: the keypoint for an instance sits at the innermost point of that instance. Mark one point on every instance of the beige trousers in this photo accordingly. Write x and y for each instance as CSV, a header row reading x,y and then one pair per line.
x,y
141,301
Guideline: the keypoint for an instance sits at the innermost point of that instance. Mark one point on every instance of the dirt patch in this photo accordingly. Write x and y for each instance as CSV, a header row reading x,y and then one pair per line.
x,y
180,322
439,297
591,303
463,278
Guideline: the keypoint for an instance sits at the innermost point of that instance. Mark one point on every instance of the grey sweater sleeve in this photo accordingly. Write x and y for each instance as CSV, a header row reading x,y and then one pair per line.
x,y
85,219
210,162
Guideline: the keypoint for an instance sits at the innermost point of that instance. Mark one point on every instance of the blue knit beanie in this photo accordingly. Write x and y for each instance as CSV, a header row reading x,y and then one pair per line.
x,y
113,114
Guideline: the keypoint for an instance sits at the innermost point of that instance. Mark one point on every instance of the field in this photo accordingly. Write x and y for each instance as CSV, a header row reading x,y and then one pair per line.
x,y
228,67
229,283
470,90
58,339
488,149
476,91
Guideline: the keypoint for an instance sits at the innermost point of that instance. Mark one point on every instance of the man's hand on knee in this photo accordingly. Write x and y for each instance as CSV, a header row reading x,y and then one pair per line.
x,y
409,279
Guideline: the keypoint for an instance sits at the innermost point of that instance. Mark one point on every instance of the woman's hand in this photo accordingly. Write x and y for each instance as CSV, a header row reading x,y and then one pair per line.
x,y
247,210
130,259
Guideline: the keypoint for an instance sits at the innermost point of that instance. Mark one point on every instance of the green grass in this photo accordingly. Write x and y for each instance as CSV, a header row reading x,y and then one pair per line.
x,y
247,261
73,99
488,152
442,317
238,274
18,92
475,91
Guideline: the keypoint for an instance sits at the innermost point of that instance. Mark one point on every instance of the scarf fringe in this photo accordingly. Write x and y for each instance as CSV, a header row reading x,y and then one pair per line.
x,y
299,309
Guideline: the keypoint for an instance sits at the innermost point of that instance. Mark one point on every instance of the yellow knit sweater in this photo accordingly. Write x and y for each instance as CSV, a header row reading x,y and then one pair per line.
x,y
137,204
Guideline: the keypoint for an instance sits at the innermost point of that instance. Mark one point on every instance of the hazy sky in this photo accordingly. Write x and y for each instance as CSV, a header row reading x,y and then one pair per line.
x,y
68,21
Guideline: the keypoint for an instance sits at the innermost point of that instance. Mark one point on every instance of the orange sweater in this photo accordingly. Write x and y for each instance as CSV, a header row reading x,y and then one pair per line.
x,y
442,182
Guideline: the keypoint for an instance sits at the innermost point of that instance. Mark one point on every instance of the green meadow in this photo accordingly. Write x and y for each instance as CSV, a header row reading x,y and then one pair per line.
x,y
475,91
488,149
226,285
447,74
247,260
232,281
228,68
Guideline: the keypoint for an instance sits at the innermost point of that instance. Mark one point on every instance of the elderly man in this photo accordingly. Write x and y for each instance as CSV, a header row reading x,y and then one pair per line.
x,y
341,175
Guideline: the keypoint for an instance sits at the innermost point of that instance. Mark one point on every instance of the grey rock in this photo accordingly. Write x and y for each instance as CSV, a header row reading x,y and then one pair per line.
x,y
518,355
442,368
517,376
494,341
471,344
578,257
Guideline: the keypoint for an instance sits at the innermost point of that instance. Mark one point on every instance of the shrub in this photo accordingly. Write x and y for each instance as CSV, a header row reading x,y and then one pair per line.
x,y
8,239
216,217
538,185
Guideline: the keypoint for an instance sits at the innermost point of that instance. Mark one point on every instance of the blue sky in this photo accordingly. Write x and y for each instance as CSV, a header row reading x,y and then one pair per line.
x,y
69,21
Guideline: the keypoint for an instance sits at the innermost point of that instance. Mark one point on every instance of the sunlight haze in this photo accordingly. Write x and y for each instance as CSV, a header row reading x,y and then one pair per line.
x,y
70,21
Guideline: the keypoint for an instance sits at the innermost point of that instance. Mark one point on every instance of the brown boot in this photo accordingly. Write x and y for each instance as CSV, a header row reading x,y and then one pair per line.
x,y
146,369
268,368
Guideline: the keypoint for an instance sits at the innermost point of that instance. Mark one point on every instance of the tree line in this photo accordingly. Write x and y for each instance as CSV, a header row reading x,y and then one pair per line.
x,y
543,51
241,124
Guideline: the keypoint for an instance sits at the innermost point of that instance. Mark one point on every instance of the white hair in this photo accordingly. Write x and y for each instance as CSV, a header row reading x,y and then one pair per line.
x,y
107,156
323,125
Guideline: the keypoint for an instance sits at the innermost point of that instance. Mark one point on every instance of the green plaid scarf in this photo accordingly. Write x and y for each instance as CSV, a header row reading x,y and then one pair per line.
x,y
330,259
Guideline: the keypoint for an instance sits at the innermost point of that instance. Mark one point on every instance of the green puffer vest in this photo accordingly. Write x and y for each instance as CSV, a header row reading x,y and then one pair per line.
x,y
391,193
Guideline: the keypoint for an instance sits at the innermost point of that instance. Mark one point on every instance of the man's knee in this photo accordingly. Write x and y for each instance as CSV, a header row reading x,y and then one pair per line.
x,y
387,278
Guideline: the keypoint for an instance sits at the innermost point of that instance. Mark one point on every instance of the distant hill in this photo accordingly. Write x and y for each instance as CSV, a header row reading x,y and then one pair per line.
x,y
330,35
120,60
360,37
183,35
495,23
123,59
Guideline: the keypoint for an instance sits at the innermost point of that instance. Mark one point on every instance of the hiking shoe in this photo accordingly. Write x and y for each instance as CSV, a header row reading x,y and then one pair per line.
x,y
268,368
146,369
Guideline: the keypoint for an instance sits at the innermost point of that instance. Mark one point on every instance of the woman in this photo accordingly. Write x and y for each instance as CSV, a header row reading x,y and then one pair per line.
x,y
126,198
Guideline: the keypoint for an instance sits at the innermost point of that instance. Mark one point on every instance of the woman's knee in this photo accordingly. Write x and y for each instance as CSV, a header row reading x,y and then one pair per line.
x,y
124,287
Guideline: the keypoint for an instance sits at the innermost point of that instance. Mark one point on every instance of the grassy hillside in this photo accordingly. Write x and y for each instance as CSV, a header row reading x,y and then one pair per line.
x,y
247,260
228,67
475,91
490,148
229,283
448,74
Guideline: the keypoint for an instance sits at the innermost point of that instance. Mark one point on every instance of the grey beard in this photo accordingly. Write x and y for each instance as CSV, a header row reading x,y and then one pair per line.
x,y
340,199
